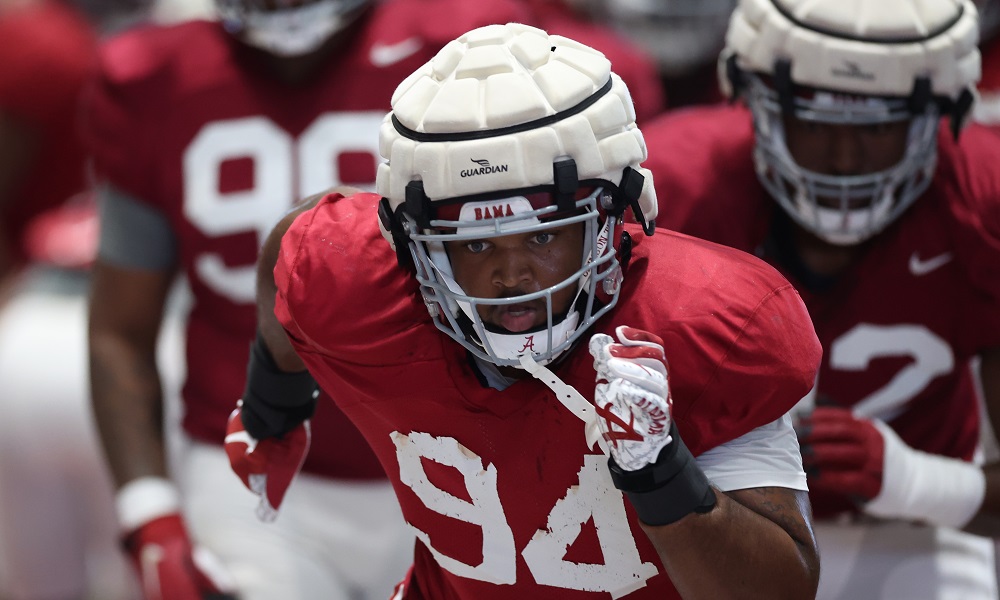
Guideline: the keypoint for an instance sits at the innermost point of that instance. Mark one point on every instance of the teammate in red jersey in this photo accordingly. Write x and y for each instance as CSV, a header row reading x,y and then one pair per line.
x,y
47,52
462,355
54,494
849,175
203,135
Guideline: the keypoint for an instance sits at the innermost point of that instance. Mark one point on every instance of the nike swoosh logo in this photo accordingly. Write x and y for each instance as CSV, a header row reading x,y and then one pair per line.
x,y
922,267
383,55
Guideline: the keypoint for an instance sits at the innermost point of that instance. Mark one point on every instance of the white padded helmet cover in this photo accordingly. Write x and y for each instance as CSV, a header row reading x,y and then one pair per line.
x,y
503,76
867,47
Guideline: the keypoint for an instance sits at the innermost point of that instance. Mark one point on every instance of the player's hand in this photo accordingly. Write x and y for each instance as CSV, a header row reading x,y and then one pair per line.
x,y
266,466
169,568
842,454
632,396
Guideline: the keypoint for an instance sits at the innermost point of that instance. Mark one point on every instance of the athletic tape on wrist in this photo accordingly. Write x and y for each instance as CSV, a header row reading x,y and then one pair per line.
x,y
274,401
669,489
145,499
917,486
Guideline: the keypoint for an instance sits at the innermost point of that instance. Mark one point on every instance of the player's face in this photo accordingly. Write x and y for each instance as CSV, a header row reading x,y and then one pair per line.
x,y
515,265
845,150
294,38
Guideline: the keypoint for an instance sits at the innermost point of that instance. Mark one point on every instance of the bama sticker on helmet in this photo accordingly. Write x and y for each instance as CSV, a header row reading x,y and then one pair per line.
x,y
474,212
484,168
494,209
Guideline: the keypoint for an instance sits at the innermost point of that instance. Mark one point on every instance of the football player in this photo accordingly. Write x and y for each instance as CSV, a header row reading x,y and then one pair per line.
x,y
54,490
203,135
465,346
849,167
47,52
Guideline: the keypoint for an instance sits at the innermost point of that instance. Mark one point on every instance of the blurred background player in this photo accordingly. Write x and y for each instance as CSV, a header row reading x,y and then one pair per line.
x,y
851,172
54,489
203,134
682,38
47,52
58,532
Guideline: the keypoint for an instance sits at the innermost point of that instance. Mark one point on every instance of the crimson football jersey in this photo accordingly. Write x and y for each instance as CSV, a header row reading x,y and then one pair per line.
x,y
900,326
47,53
184,120
505,497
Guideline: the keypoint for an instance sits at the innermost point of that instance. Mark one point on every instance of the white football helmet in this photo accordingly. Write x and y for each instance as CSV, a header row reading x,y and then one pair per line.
x,y
681,35
290,28
859,62
510,130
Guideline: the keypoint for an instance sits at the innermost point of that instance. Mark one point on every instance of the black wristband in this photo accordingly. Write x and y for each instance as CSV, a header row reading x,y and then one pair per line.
x,y
669,489
275,402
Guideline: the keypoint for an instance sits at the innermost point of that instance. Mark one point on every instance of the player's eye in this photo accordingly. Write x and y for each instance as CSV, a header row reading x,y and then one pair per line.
x,y
476,246
544,237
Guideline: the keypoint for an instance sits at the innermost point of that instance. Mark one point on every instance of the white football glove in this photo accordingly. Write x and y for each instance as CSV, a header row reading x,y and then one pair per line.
x,y
632,396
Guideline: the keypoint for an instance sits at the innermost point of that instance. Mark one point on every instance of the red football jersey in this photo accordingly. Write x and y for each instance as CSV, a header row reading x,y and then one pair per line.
x,y
901,325
505,497
47,53
184,120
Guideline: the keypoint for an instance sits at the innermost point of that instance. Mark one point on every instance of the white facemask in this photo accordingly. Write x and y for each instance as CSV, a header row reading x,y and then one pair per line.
x,y
290,32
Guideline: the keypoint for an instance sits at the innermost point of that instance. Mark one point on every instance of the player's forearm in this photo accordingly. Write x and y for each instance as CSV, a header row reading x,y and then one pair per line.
x,y
127,401
734,552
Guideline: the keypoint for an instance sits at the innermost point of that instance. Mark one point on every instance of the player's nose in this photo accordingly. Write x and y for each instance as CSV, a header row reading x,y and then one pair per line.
x,y
511,269
845,152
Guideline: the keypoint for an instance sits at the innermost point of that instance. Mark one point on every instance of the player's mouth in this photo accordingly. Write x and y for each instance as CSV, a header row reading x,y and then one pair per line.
x,y
518,317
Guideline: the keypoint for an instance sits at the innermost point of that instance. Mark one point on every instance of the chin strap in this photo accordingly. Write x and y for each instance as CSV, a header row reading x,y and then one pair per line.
x,y
570,398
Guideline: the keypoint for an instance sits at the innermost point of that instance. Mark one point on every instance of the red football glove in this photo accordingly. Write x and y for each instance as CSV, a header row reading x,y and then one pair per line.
x,y
267,466
842,454
168,566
